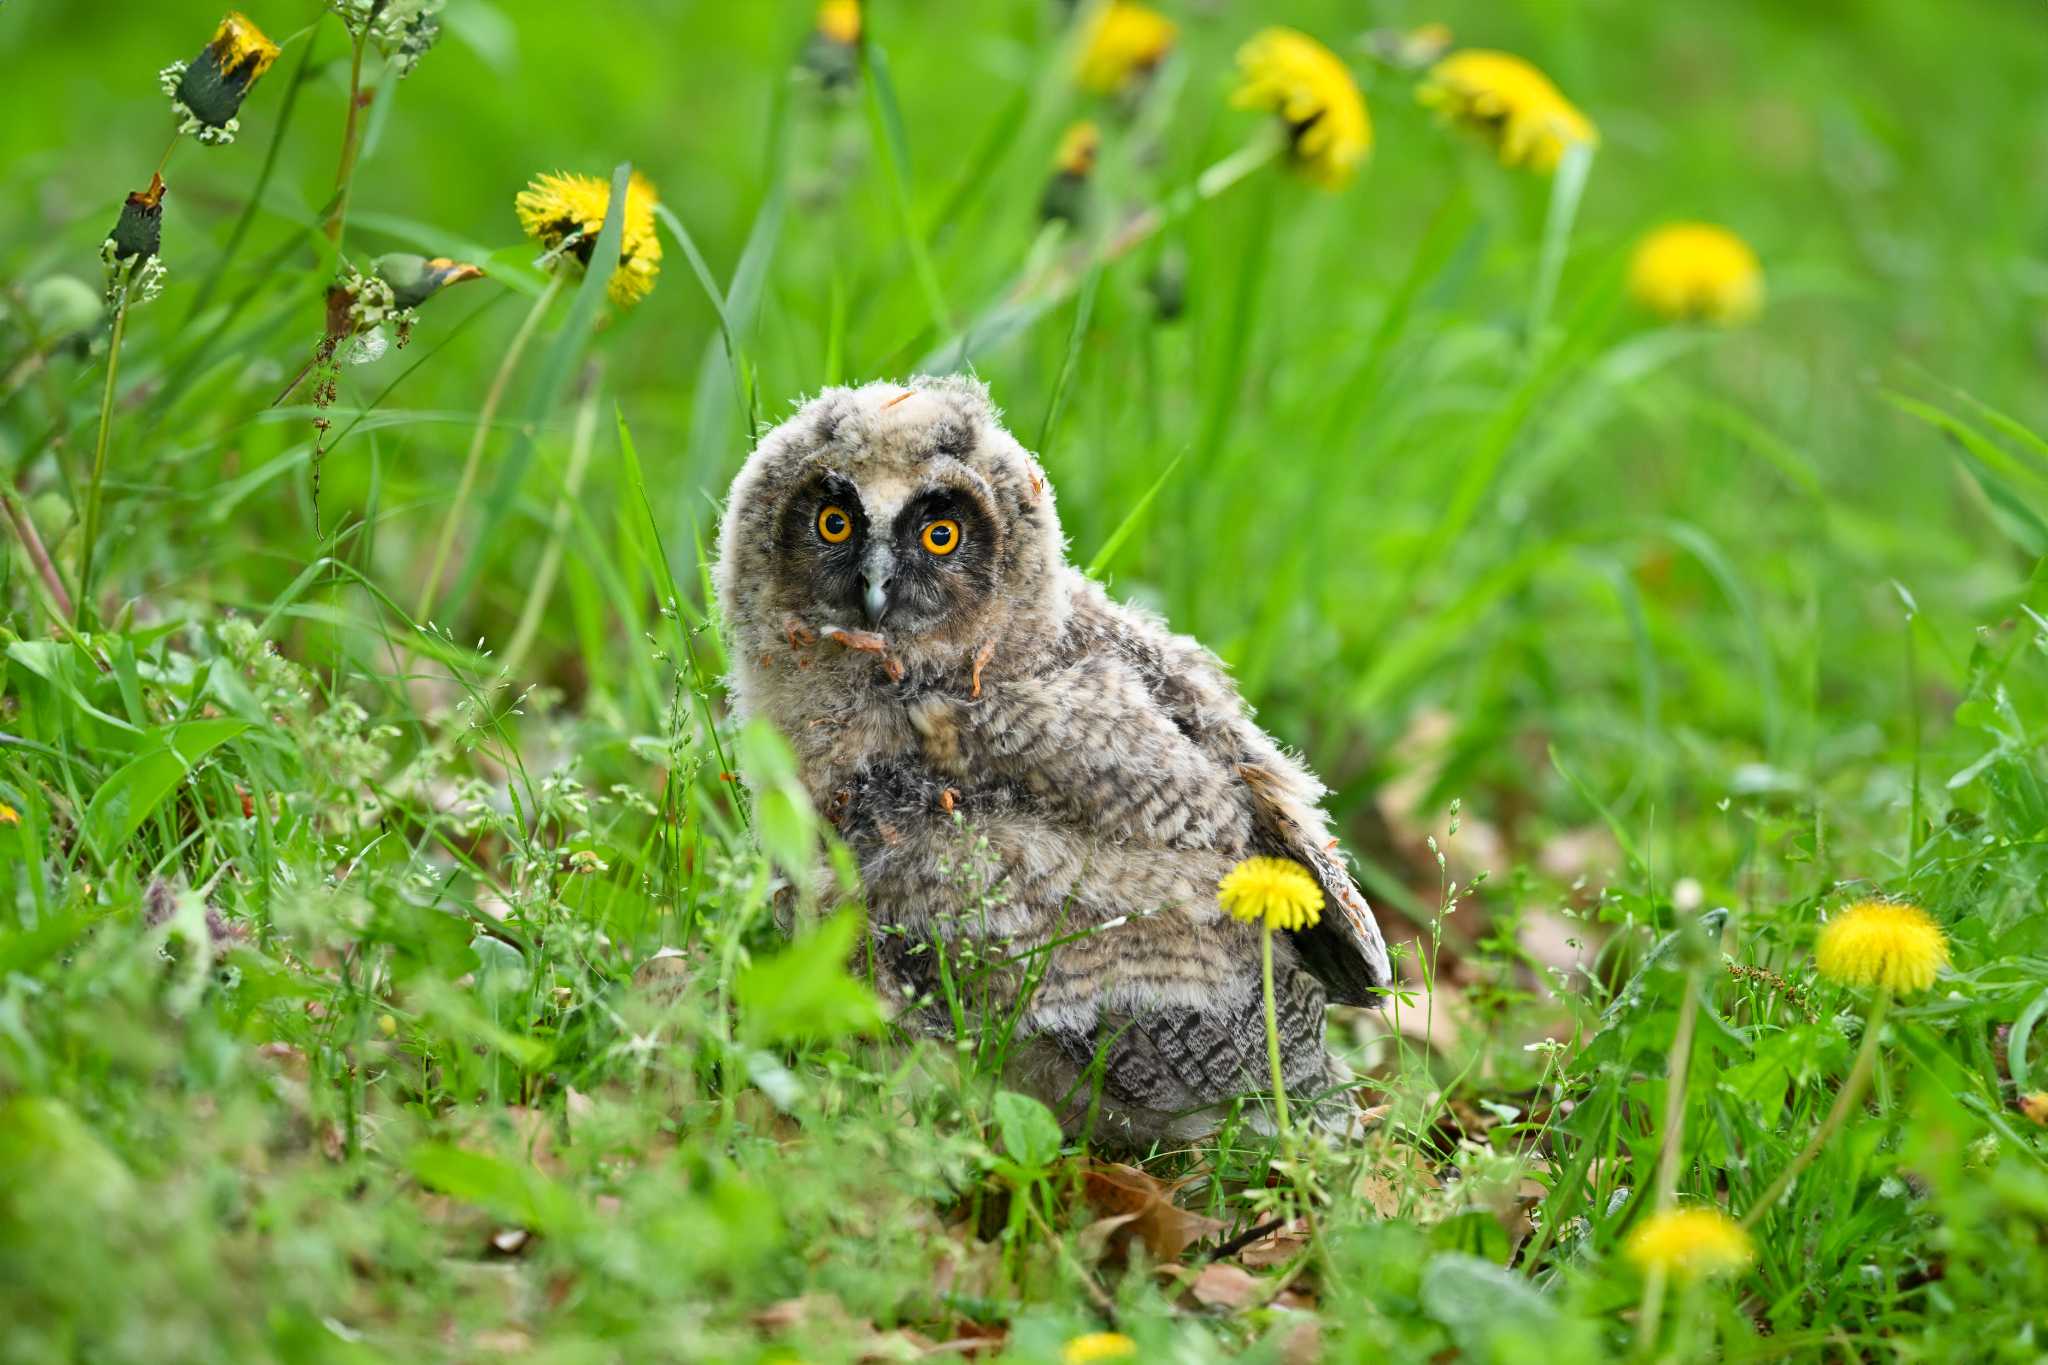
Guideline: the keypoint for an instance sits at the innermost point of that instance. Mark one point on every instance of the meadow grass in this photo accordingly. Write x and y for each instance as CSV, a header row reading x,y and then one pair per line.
x,y
388,952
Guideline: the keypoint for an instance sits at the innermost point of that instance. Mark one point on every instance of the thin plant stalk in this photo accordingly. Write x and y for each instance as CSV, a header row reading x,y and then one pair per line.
x,y
350,144
537,594
1273,1035
484,418
1677,1073
1850,1096
99,459
1566,188
1043,289
32,545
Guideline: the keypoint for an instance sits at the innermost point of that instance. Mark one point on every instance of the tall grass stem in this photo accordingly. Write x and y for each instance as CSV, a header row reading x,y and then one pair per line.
x,y
493,398
99,457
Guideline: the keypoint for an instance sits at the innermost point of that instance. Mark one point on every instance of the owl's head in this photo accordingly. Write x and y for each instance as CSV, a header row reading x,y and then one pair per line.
x,y
904,509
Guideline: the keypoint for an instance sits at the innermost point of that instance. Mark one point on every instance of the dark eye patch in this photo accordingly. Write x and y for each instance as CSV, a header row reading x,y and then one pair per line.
x,y
931,588
830,571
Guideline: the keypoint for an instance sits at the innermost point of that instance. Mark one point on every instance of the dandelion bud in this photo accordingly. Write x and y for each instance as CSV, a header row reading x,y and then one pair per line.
x,y
1066,193
140,229
131,253
415,279
833,53
207,92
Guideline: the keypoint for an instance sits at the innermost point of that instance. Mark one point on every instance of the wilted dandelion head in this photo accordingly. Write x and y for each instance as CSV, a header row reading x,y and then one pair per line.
x,y
1509,103
1690,1244
2034,1106
1893,945
1296,77
839,21
565,213
132,252
1094,1346
207,92
414,279
1277,890
1125,43
1697,272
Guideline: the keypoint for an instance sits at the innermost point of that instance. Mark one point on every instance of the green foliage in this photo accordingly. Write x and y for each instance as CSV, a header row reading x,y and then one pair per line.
x,y
374,987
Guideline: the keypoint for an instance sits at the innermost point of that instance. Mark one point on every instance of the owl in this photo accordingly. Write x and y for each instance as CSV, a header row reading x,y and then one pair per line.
x,y
1042,786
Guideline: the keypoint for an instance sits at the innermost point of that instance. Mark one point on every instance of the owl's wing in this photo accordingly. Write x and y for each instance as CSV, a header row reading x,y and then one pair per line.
x,y
1345,949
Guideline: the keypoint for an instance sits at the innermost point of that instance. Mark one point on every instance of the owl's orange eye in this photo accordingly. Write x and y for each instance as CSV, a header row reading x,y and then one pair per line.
x,y
941,537
834,525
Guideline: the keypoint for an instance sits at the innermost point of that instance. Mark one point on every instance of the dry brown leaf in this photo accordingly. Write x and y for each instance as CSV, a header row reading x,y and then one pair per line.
x,y
1304,1344
1281,1246
1221,1285
1166,1229
1093,1240
502,1341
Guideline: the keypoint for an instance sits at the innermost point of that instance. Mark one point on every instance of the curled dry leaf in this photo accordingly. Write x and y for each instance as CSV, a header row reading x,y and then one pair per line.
x,y
1281,1246
1166,1229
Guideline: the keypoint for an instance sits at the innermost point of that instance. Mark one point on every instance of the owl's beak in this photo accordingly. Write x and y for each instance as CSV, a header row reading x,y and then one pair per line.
x,y
875,572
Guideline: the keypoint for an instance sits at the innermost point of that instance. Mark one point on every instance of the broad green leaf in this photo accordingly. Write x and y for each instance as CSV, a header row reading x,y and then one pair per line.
x,y
134,792
805,993
1031,1135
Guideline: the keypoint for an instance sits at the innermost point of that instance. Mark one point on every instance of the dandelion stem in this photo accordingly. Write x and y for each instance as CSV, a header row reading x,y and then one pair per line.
x,y
350,140
580,444
1677,1073
99,456
1850,1096
1273,1031
492,399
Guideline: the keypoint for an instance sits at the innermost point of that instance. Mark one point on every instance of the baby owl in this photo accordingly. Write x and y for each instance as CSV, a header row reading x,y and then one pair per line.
x,y
1042,786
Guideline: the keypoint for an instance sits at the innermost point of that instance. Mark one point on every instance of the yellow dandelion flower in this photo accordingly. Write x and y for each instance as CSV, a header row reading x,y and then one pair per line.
x,y
2035,1107
1888,944
1125,43
566,212
1094,1346
1078,147
1697,272
207,92
1509,103
9,815
1278,890
839,21
1690,1244
1299,79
